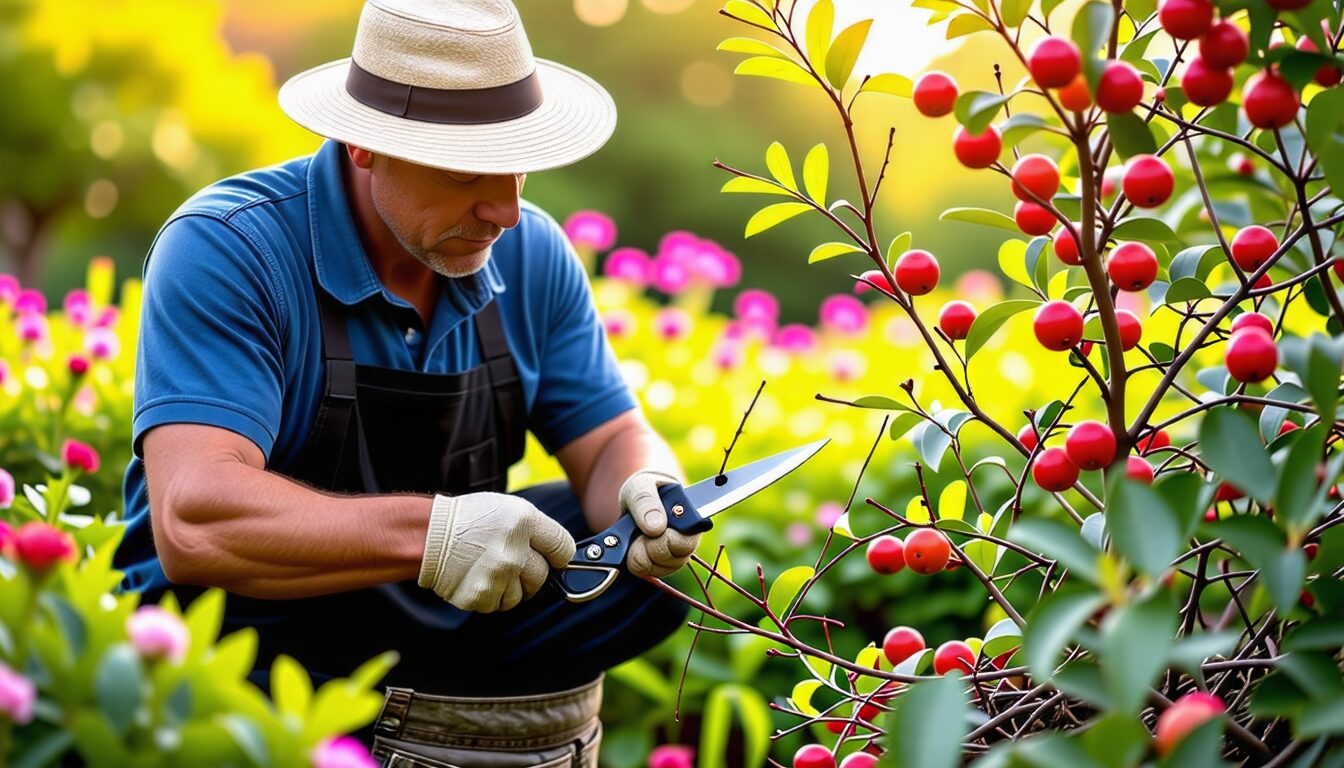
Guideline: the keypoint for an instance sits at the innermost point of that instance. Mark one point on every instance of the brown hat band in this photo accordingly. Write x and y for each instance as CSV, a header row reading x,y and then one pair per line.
x,y
443,105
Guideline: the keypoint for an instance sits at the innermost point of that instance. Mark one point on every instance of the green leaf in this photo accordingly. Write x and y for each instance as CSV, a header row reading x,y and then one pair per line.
x,y
717,723
746,11
42,752
1231,446
1060,542
1018,127
899,245
904,423
1197,262
975,110
1048,7
1186,289
1143,528
779,69
1052,625
774,214
967,24
845,50
1200,748
1323,718
889,83
1264,546
816,167
932,443
1091,29
291,687
1144,228
909,736
1325,115
1135,642
1004,636
247,736
1193,650
752,46
1116,740
1321,634
117,686
1296,499
203,618
786,588
988,323
374,670
881,402
1015,11
1013,262
831,250
1317,361
777,161
1130,135
820,24
982,216
744,184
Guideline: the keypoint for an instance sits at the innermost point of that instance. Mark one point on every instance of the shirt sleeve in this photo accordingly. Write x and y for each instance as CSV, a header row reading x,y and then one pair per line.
x,y
580,385
210,348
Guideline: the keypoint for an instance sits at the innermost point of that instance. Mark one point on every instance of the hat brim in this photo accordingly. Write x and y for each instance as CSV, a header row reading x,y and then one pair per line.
x,y
575,119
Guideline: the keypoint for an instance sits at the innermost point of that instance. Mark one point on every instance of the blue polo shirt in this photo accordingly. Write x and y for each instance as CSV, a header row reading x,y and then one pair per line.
x,y
230,334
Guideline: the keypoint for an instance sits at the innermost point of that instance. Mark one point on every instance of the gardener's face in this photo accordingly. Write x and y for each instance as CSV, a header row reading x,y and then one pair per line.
x,y
445,219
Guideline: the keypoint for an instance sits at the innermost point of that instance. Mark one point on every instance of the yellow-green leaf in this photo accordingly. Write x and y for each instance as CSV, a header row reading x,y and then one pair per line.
x,y
802,696
771,215
749,12
820,24
1013,261
952,501
1015,11
777,160
841,527
889,83
779,69
966,24
1058,284
899,244
845,50
752,46
291,686
786,588
757,186
916,512
816,170
939,6
831,250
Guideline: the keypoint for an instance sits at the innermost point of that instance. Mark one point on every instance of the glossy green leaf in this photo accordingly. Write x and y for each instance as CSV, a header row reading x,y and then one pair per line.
x,y
903,423
975,110
1115,740
1013,263
1142,528
1004,636
816,169
831,250
717,724
774,214
1130,135
982,216
1232,447
1014,11
1091,29
1200,748
786,588
1282,569
899,245
1020,126
988,323
1197,262
910,739
1325,116
117,685
778,69
844,52
1317,361
1135,641
1060,542
1052,625
881,402
1144,228
1296,499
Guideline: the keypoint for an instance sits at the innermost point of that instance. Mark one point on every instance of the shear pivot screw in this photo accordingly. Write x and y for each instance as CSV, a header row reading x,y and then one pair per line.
x,y
611,541
593,552
678,510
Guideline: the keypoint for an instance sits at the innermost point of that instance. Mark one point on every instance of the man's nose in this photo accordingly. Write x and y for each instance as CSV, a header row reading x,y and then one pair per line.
x,y
499,200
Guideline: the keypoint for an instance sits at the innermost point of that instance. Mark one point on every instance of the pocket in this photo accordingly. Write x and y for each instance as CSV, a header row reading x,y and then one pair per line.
x,y
472,468
396,758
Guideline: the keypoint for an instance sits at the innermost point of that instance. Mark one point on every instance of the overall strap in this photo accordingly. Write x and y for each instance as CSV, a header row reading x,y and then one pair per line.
x,y
334,414
505,385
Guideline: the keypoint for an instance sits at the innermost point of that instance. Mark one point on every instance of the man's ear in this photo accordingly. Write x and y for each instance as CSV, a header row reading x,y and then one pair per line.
x,y
362,158
522,179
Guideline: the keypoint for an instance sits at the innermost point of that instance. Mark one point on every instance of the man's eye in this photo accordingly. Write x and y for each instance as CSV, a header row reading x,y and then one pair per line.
x,y
463,179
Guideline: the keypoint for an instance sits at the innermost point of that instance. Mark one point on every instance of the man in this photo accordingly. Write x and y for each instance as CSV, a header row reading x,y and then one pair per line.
x,y
339,359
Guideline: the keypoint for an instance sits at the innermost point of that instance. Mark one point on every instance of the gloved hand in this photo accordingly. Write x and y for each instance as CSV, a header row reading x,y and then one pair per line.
x,y
489,551
661,550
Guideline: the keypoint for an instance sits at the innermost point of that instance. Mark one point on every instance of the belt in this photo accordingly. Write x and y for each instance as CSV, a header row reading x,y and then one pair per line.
x,y
501,724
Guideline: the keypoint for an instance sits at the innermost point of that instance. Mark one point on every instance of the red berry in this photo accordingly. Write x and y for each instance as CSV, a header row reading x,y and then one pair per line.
x,y
886,554
1108,184
1252,246
1120,88
1148,181
1253,320
873,276
1054,62
917,272
1245,166
1132,266
1185,715
1185,19
901,643
1153,441
1090,445
1312,549
1066,247
1251,356
1210,515
1224,45
1075,96
927,551
40,545
1286,427
1053,470
1205,84
978,151
955,319
1027,437
935,94
1058,325
813,756
1033,219
1288,5
1227,492
1263,282
859,760
1269,101
1131,330
954,655
1036,174
1328,75
1139,470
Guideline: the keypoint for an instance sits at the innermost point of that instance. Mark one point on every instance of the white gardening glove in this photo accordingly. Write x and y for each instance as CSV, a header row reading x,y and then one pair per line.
x,y
489,551
661,550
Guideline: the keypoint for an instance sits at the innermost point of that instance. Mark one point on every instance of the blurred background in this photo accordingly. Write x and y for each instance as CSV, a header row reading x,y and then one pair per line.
x,y
119,110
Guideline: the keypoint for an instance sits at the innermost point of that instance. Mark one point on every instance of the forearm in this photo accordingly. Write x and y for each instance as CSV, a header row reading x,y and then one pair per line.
x,y
628,451
261,534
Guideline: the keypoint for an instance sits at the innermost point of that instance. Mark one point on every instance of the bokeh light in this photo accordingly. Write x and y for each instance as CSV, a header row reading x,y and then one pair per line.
x,y
600,13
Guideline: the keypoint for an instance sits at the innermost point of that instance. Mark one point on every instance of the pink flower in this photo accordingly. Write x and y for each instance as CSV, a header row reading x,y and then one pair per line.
x,y
680,245
9,288
102,343
727,355
78,364
8,541
672,323
17,694
799,534
39,545
755,307
715,266
628,264
78,306
828,512
4,372
342,752
847,365
671,756
6,489
844,314
77,455
796,339
158,634
108,317
30,300
618,323
670,276
32,326
591,229
979,286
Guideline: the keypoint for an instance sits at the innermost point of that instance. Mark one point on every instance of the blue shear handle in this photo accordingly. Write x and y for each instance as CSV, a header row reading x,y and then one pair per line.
x,y
689,521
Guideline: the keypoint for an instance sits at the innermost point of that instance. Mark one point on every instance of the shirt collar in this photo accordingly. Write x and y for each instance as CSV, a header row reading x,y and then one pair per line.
x,y
343,268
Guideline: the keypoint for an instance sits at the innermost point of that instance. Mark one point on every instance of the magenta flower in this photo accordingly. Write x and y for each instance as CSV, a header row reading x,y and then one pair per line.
x,y
979,286
844,314
107,318
82,456
9,288
618,323
727,355
680,245
828,512
629,264
30,300
670,276
672,323
756,307
591,229
733,331
716,266
78,306
79,365
4,372
671,756
40,546
33,326
17,694
342,752
796,339
846,365
102,343
9,541
157,634
6,489
799,534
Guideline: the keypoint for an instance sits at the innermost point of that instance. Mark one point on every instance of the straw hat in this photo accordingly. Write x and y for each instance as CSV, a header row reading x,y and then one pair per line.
x,y
452,84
